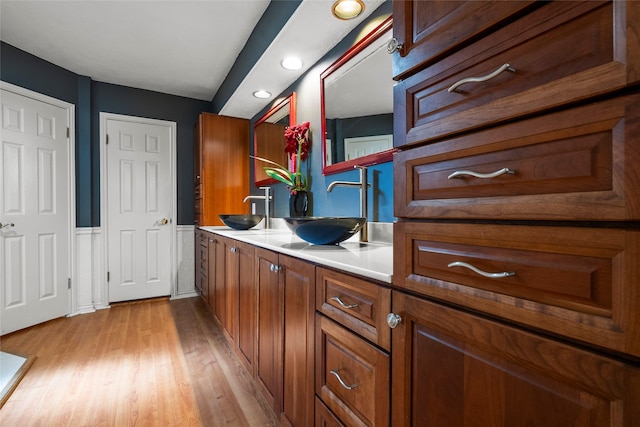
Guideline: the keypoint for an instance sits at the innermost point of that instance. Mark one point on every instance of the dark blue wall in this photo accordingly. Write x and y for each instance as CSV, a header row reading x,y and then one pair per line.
x,y
90,98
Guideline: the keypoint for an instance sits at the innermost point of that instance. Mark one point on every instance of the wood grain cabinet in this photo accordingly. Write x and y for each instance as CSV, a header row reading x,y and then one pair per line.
x,y
352,350
516,273
221,167
202,264
559,53
285,335
451,368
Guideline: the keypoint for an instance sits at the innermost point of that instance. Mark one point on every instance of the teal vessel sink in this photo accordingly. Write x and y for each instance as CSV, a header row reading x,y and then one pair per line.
x,y
325,230
241,221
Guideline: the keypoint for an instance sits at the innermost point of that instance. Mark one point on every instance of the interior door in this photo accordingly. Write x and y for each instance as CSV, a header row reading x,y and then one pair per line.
x,y
35,214
139,207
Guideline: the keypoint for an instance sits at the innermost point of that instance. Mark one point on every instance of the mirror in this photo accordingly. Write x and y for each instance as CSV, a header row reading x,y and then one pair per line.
x,y
356,93
268,137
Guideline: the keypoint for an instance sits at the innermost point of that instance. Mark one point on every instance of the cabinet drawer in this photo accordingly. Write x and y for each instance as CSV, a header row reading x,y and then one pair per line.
x,y
430,29
357,304
561,53
577,282
451,368
358,389
560,167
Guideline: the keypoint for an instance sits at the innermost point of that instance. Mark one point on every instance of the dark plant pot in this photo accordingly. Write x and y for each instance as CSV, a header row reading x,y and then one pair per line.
x,y
298,204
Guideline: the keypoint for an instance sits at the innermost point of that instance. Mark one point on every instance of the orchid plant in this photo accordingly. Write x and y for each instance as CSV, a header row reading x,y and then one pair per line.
x,y
297,147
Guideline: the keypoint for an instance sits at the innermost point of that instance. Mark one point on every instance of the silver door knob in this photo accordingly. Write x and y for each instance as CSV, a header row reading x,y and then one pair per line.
x,y
393,320
6,225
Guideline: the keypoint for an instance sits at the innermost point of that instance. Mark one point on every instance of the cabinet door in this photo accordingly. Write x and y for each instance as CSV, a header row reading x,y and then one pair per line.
x,y
220,280
224,179
269,328
451,368
232,281
246,313
298,296
428,30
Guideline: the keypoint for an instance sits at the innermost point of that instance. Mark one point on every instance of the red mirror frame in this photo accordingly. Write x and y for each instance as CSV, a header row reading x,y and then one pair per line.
x,y
371,159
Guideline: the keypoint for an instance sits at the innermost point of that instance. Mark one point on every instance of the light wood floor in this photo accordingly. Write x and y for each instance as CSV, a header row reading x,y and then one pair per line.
x,y
149,363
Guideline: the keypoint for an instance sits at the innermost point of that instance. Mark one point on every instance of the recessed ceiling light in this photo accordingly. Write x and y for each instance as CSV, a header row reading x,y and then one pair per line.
x,y
263,94
291,63
347,9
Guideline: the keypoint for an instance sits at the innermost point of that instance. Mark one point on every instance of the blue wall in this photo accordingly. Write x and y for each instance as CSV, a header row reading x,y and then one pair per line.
x,y
90,98
342,201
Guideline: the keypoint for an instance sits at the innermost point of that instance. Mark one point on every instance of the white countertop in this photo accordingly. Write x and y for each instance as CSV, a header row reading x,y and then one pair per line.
x,y
372,259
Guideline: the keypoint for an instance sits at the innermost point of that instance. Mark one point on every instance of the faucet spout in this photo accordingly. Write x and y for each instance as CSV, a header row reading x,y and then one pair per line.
x,y
363,185
267,204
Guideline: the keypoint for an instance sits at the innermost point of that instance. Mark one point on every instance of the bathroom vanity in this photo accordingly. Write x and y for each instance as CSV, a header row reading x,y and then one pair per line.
x,y
307,321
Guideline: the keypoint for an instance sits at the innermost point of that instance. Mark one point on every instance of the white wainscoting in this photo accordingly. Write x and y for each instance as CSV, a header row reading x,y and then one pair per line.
x,y
90,292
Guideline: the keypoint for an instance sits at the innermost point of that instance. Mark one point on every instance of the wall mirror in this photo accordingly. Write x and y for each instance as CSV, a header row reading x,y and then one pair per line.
x,y
356,94
268,137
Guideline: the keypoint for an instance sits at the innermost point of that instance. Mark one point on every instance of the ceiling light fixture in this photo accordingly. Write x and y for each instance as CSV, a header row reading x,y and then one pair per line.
x,y
262,94
291,63
347,9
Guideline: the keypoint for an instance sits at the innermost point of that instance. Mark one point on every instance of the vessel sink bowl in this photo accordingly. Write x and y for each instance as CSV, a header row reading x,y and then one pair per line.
x,y
325,230
241,221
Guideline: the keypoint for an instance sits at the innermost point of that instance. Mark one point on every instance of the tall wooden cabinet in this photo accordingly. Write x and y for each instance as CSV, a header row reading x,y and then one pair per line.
x,y
516,273
221,167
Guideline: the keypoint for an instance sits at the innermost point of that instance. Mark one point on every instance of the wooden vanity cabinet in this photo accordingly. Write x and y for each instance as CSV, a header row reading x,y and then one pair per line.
x,y
451,368
560,53
221,175
516,274
285,335
352,349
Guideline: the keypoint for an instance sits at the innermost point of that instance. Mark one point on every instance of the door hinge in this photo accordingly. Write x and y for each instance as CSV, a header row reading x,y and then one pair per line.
x,y
69,283
68,133
108,276
107,141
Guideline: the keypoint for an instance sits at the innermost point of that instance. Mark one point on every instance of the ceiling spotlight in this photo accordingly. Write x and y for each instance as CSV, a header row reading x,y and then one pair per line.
x,y
262,94
291,63
347,9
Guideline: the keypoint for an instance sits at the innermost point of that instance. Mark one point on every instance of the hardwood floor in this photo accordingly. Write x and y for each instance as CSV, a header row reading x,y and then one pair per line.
x,y
147,363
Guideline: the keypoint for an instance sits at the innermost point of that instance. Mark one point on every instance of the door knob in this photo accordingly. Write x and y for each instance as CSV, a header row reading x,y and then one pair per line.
x,y
393,320
164,221
10,224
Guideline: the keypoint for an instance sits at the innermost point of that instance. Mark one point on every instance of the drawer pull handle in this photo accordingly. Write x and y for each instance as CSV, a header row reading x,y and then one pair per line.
x,y
341,381
458,174
482,273
342,304
503,68
394,46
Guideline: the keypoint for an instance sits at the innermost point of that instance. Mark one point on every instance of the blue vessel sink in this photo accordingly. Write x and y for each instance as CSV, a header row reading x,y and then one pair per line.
x,y
325,230
241,221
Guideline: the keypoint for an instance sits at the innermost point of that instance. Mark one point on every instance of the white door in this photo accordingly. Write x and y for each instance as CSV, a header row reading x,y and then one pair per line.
x,y
139,206
365,145
35,209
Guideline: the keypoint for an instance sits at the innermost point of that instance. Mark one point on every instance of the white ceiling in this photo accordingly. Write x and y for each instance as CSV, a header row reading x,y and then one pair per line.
x,y
183,48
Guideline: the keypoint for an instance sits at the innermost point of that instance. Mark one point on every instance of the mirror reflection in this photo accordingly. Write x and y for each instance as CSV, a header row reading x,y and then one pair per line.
x,y
268,137
357,94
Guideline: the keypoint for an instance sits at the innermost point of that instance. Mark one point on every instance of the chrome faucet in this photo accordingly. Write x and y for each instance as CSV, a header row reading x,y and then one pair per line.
x,y
267,197
363,185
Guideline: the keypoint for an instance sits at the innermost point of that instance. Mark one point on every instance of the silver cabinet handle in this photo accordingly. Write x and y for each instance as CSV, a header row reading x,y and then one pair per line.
x,y
341,381
233,250
275,268
10,224
394,46
342,304
480,272
393,320
503,68
458,174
